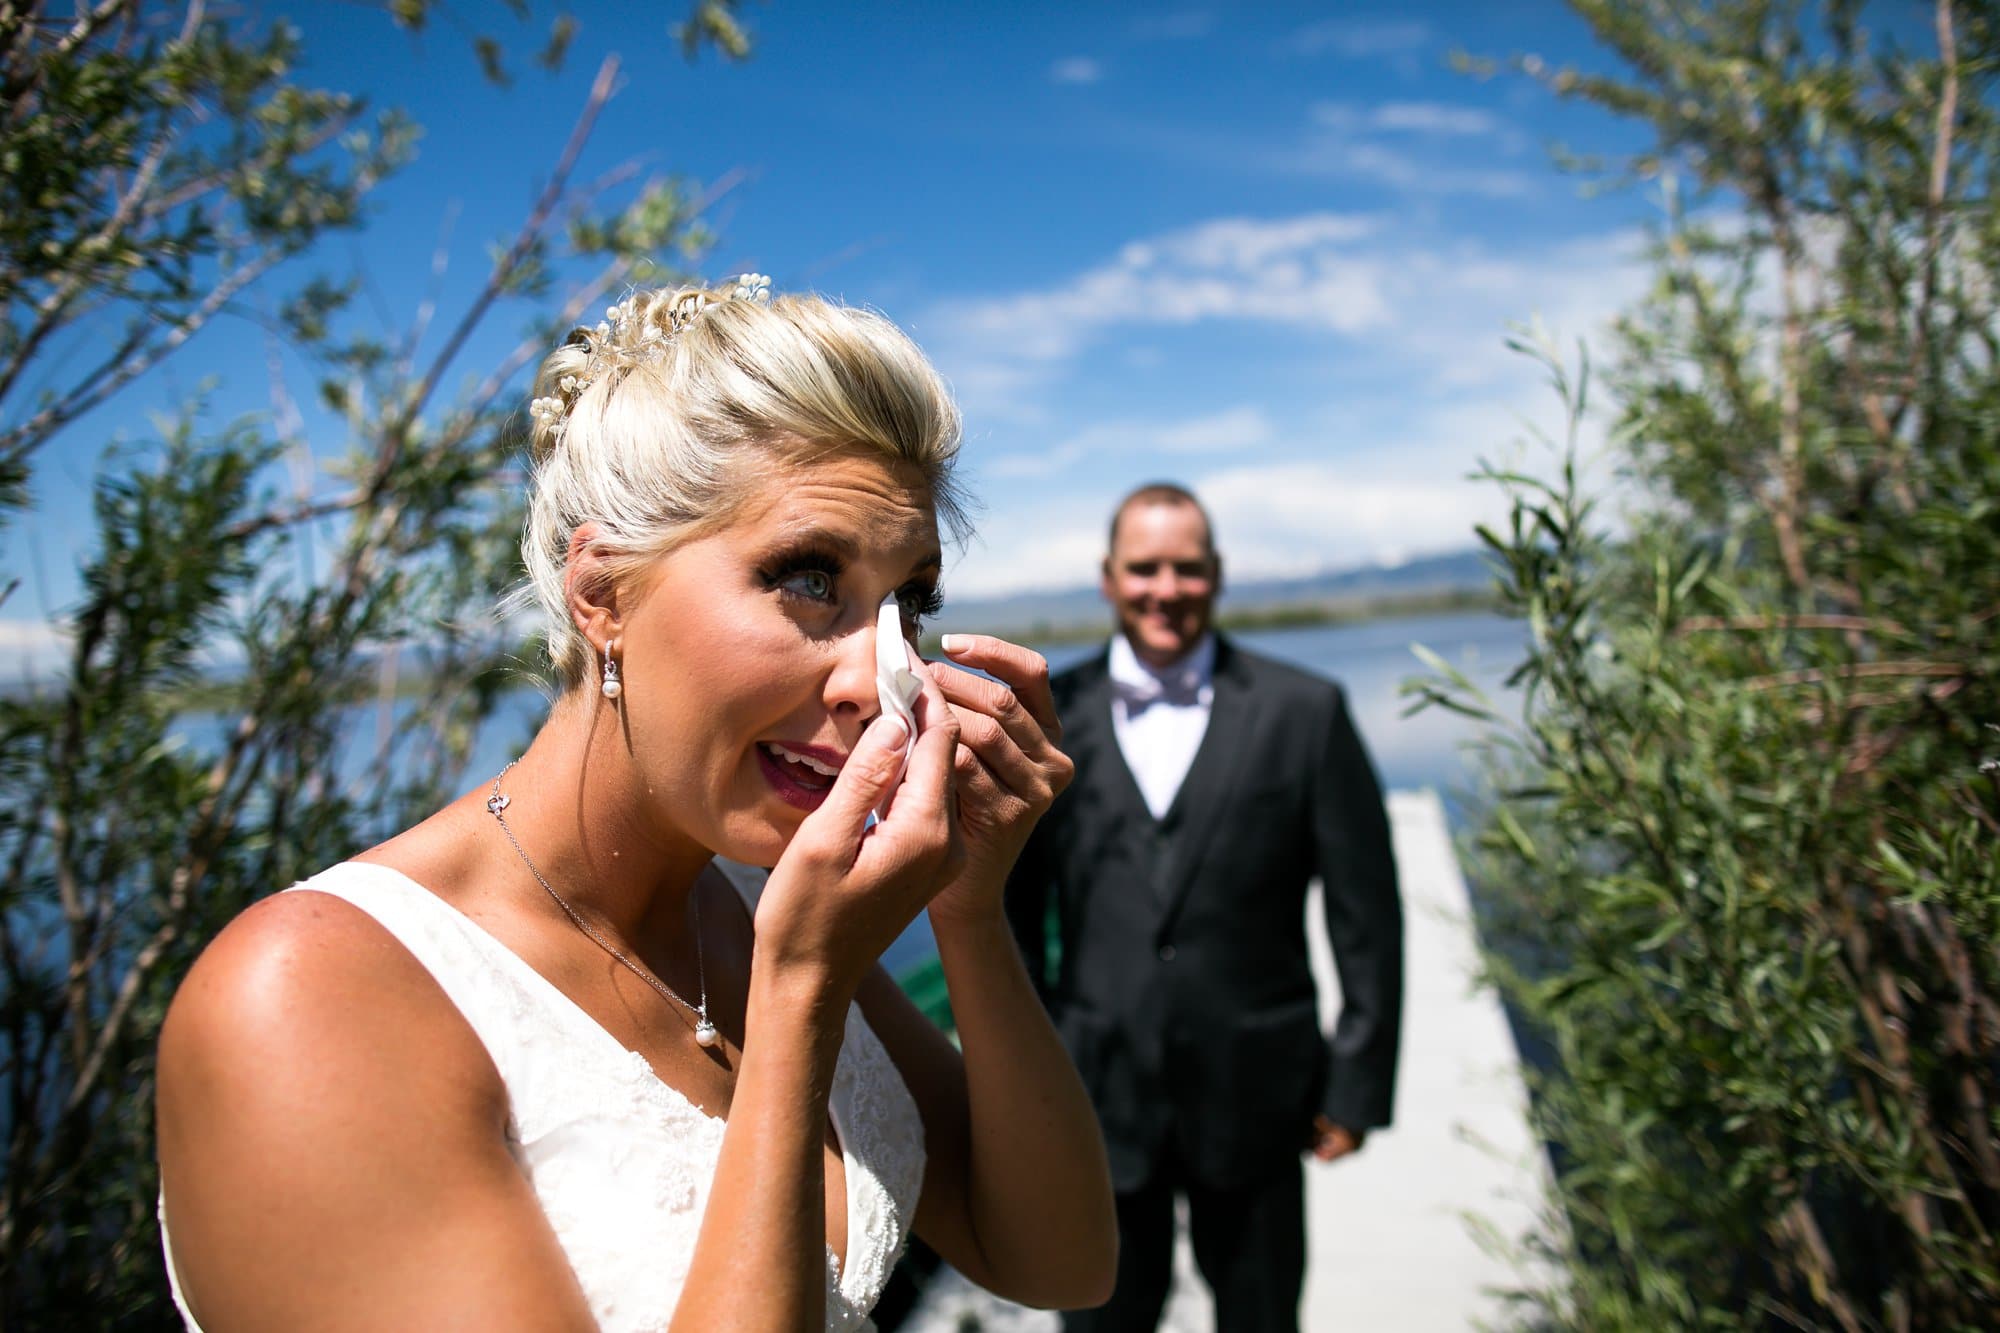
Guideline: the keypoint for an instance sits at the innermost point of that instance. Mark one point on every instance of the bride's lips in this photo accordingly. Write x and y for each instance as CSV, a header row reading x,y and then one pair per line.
x,y
801,775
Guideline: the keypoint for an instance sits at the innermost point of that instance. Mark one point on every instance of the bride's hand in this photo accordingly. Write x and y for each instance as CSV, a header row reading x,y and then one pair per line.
x,y
1009,768
843,891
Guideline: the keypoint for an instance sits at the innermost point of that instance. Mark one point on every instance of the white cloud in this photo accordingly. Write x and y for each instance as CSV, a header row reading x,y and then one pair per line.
x,y
1343,139
1273,519
1408,173
1184,26
1335,276
1462,302
1058,545
1076,70
32,649
1225,432
1371,465
1433,118
1230,431
1422,148
1406,117
1410,492
1277,519
1359,38
1288,271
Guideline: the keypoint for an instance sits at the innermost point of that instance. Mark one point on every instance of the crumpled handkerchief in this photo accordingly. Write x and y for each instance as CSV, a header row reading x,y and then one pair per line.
x,y
896,682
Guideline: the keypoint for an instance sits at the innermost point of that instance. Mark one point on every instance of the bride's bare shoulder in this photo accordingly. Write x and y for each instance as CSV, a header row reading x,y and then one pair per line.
x,y
301,995
332,1136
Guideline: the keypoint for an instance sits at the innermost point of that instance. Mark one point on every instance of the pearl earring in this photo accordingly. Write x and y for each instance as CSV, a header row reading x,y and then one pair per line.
x,y
612,686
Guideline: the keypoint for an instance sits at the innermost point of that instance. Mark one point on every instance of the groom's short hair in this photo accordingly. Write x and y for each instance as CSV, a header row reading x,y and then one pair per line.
x,y
1169,493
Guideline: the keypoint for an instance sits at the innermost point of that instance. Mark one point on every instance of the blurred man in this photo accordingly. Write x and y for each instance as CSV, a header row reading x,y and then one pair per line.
x,y
1211,786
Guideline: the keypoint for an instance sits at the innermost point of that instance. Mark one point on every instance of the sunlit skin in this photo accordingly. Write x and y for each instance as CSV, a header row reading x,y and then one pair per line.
x,y
1161,579
762,634
315,1083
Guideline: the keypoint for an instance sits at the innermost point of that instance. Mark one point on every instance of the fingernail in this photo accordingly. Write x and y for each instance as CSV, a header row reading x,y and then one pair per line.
x,y
893,730
954,643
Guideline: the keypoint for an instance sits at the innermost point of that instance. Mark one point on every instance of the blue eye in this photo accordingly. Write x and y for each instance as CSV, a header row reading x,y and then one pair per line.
x,y
814,583
809,574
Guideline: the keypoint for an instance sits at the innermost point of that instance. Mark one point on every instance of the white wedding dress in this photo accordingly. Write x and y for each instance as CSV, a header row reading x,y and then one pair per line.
x,y
621,1162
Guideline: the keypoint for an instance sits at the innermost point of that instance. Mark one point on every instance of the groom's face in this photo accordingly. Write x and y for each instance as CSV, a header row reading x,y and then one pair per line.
x,y
1161,579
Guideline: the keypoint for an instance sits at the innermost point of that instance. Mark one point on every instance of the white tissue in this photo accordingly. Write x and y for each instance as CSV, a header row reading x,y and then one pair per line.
x,y
896,684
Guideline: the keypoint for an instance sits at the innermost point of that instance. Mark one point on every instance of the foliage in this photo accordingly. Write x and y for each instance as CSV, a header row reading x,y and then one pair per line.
x,y
235,710
1745,860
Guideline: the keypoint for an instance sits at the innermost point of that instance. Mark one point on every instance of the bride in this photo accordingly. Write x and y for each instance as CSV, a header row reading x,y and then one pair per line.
x,y
543,1061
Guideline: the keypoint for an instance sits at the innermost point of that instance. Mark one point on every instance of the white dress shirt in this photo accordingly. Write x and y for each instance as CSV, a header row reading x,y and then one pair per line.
x,y
1160,716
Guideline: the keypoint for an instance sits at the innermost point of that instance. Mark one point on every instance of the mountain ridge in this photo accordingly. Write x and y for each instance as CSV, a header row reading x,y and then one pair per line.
x,y
1452,573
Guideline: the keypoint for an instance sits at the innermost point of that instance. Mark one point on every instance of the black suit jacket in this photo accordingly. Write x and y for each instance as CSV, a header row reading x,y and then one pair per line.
x,y
1183,990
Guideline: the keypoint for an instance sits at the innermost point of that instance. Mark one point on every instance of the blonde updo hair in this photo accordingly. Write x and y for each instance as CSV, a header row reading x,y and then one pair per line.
x,y
656,424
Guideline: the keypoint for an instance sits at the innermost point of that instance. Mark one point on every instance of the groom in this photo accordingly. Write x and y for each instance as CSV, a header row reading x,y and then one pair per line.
x,y
1211,786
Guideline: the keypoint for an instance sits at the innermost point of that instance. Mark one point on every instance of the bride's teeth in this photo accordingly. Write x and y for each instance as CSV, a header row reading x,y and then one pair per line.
x,y
824,770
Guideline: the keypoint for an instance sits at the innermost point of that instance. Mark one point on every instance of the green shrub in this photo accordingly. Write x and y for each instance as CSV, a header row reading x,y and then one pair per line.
x,y
1744,863
261,676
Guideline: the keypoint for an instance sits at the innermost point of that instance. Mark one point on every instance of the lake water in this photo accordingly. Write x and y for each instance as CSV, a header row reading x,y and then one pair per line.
x,y
1371,661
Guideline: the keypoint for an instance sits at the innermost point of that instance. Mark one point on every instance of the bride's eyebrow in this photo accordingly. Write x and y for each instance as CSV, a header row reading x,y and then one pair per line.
x,y
842,543
819,537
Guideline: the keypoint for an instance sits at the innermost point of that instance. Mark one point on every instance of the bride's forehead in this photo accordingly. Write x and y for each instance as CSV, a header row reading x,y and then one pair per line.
x,y
884,502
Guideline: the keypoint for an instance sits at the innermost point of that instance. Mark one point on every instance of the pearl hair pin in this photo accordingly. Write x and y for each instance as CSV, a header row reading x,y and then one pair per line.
x,y
624,337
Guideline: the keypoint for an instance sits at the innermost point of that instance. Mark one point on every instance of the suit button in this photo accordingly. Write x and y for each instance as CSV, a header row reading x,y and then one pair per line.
x,y
1166,953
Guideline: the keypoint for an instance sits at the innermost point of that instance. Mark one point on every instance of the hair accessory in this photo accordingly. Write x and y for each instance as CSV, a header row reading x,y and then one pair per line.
x,y
705,1033
613,686
625,337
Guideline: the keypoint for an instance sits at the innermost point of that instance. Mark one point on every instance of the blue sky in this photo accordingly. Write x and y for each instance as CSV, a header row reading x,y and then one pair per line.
x,y
1269,250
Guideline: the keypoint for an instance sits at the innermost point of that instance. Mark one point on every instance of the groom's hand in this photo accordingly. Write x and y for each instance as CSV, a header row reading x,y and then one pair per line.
x,y
1331,1142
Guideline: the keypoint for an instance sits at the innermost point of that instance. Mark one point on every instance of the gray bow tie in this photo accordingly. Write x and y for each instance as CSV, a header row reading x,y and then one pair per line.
x,y
1181,688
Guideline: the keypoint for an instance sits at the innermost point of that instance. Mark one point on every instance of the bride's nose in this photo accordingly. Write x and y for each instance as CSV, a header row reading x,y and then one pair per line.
x,y
850,687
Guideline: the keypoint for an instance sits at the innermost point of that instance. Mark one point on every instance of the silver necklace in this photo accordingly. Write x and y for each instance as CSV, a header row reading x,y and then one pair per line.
x,y
704,1031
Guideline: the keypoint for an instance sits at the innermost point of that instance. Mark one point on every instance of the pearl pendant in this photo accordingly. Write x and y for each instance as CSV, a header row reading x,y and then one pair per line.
x,y
705,1033
612,689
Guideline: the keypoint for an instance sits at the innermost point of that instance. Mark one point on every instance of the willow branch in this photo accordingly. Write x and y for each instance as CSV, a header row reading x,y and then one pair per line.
x,y
114,374
195,187
1856,671
1862,624
212,823
1921,332
552,194
1786,513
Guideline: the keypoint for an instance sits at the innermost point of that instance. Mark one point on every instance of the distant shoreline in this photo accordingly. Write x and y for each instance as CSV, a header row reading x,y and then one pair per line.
x,y
1275,615
219,695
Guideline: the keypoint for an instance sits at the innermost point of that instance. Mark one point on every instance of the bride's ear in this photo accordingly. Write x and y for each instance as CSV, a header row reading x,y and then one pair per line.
x,y
591,586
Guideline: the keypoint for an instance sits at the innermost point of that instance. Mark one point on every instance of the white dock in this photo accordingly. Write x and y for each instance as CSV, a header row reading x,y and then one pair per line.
x,y
1400,1236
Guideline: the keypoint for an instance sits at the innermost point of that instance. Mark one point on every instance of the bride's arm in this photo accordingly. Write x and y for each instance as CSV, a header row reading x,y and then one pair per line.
x,y
835,900
332,1141
1017,1195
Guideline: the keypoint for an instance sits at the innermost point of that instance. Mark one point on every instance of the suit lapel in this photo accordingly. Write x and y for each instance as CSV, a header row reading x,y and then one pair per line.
x,y
1212,775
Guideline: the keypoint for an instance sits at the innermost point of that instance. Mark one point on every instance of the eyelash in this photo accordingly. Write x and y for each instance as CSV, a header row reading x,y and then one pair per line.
x,y
779,575
929,599
920,601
